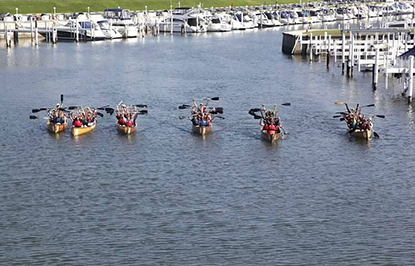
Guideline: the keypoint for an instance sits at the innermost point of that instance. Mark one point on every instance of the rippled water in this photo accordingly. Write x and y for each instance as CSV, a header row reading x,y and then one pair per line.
x,y
167,197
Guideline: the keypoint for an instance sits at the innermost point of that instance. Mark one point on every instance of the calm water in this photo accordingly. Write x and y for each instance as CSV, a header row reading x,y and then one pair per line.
x,y
166,197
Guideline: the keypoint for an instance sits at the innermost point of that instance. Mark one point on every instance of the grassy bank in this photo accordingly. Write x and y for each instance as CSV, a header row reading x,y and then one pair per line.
x,y
68,6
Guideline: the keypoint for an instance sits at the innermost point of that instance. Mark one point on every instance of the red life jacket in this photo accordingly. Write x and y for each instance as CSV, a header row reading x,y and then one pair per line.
x,y
128,124
77,123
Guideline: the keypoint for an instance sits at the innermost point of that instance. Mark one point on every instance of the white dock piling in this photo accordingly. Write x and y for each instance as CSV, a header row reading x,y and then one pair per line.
x,y
343,50
411,78
376,70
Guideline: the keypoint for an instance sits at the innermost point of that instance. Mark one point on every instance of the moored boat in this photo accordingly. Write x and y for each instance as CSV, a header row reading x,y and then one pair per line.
x,y
77,131
56,127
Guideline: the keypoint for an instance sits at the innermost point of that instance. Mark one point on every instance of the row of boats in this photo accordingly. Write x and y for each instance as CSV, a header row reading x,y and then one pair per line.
x,y
202,115
115,23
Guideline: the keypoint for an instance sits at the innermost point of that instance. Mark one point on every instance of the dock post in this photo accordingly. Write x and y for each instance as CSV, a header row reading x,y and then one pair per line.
x,y
16,33
32,29
328,51
76,31
36,34
375,70
311,47
411,78
8,38
54,34
351,53
343,50
171,14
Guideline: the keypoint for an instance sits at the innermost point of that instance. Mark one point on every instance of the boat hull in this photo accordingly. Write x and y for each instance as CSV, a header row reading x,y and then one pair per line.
x,y
56,127
362,134
202,130
270,137
126,130
77,131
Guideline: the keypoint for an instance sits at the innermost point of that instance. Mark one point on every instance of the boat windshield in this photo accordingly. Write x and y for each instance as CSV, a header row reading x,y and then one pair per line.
x,y
104,24
192,22
215,20
85,24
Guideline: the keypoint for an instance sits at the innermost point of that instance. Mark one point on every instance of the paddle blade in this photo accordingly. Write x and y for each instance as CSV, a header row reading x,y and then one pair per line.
x,y
369,105
61,98
100,114
338,103
214,98
376,135
336,116
33,117
184,106
72,107
380,116
141,105
257,117
286,104
255,110
35,110
109,110
143,111
342,119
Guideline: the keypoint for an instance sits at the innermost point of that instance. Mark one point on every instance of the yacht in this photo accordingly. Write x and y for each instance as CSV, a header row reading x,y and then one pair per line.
x,y
121,20
81,29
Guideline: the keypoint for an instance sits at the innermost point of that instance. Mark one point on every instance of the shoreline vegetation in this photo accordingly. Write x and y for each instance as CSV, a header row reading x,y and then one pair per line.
x,y
71,6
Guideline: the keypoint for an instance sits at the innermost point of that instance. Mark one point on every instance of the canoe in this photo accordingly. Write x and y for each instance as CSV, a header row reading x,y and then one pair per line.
x,y
56,127
202,130
76,131
270,137
363,134
126,130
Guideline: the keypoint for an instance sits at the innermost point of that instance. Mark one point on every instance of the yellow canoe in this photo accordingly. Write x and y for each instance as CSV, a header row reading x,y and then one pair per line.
x,y
202,130
56,127
363,134
270,137
126,130
76,131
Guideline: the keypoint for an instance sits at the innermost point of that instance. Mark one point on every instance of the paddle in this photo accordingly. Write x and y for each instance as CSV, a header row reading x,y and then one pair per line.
x,y
376,134
33,117
286,104
342,119
214,98
214,112
38,110
255,110
257,117
141,105
73,107
109,110
369,105
103,107
100,114
184,106
218,116
380,116
143,112
337,116
61,99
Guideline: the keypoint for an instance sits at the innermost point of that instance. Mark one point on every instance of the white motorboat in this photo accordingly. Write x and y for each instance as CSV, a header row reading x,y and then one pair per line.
x,y
121,20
